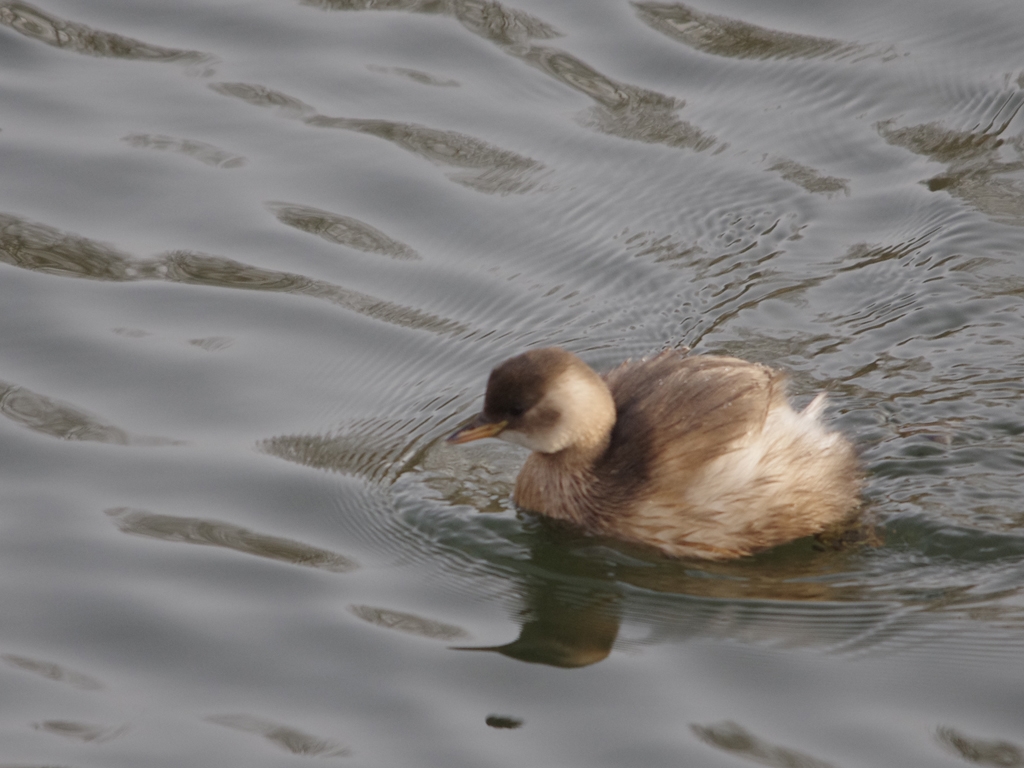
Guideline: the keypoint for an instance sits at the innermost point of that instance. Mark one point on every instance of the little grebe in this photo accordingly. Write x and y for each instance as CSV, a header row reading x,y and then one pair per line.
x,y
700,456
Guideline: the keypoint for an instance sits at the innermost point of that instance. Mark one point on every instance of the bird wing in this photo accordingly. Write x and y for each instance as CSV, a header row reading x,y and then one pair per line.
x,y
676,415
690,410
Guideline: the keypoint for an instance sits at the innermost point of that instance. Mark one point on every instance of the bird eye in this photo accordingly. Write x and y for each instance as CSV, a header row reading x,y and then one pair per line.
x,y
515,411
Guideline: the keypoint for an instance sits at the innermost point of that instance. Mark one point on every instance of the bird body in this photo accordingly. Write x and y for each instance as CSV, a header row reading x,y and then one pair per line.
x,y
698,455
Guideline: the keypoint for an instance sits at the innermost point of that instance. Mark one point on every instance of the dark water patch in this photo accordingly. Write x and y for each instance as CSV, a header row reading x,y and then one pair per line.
x,y
737,39
409,623
261,96
41,248
946,145
490,20
217,271
341,230
53,671
79,731
423,78
282,736
207,154
622,109
862,255
215,533
374,449
499,171
364,450
212,343
979,751
810,179
981,163
499,23
503,722
420,408
57,419
496,171
73,36
736,740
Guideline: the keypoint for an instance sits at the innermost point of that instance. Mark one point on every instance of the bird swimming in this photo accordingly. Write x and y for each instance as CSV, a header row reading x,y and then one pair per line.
x,y
697,455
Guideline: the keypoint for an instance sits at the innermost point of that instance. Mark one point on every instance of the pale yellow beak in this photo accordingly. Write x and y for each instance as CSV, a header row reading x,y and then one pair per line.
x,y
477,429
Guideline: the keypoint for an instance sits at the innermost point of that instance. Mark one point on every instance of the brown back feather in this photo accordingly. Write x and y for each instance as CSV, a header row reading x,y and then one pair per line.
x,y
687,411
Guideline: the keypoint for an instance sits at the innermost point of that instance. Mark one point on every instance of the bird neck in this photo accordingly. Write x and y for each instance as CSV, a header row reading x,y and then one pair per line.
x,y
588,417
582,454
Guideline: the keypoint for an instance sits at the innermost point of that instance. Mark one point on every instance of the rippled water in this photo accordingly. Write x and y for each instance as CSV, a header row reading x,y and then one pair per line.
x,y
257,259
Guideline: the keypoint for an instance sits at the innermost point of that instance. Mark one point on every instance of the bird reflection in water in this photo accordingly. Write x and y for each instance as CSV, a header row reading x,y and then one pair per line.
x,y
563,630
578,591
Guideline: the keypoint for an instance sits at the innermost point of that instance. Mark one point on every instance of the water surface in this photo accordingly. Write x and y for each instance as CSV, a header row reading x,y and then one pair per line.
x,y
256,261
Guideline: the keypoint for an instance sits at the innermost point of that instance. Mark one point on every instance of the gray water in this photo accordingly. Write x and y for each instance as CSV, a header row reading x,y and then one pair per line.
x,y
256,260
